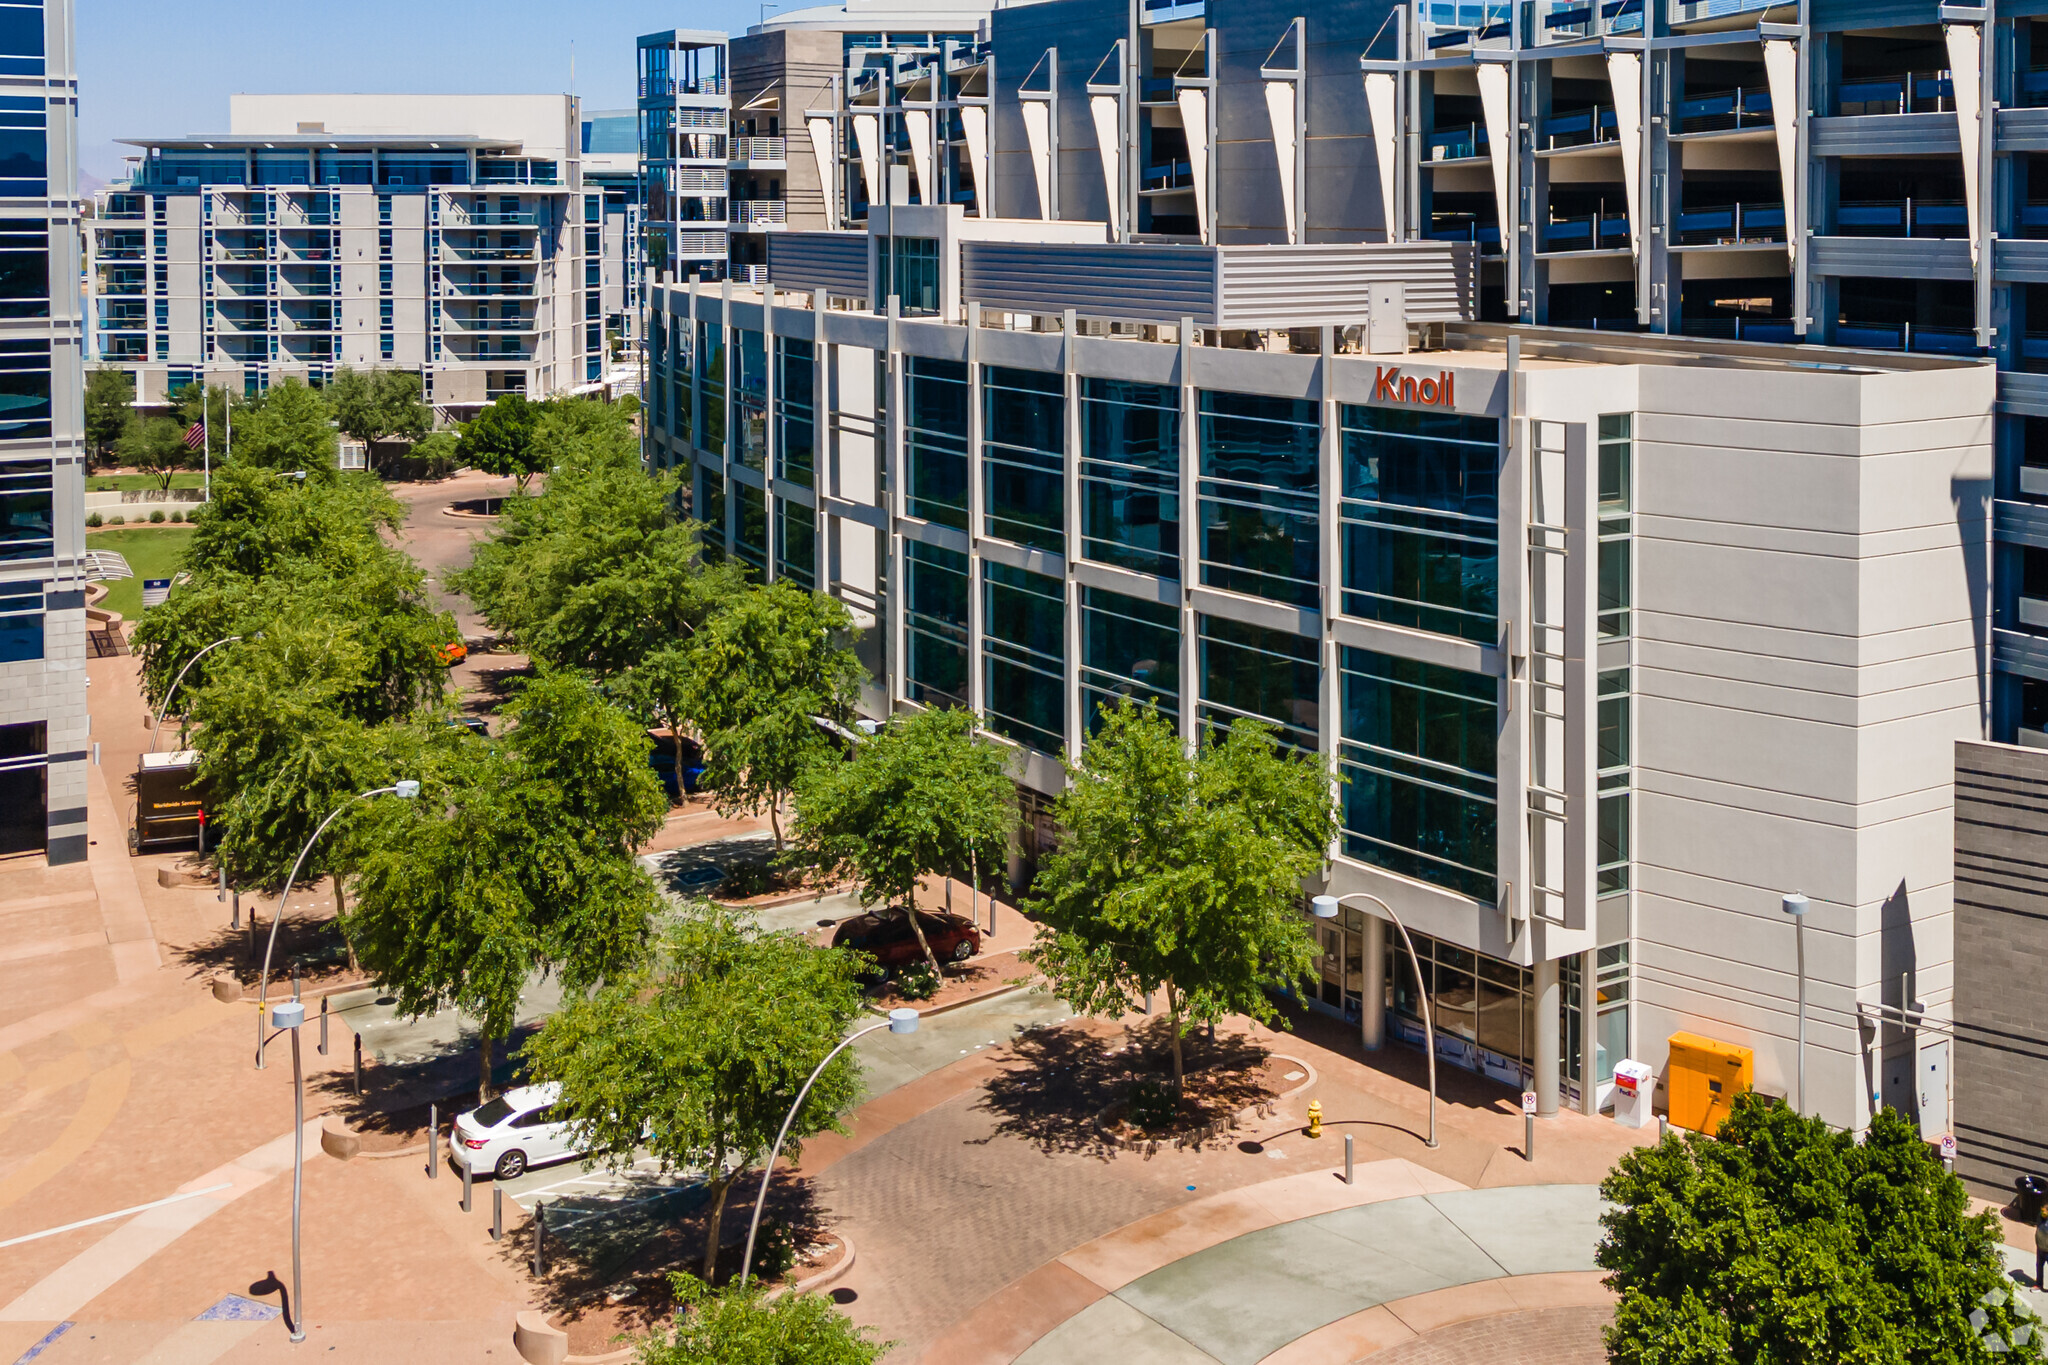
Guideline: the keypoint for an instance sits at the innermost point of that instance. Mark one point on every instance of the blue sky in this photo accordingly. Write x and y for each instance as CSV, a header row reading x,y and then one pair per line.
x,y
147,69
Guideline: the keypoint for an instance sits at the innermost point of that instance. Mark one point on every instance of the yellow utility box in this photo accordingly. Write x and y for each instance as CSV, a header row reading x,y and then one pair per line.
x,y
1703,1077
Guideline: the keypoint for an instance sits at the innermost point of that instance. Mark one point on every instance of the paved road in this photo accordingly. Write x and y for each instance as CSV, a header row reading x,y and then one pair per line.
x,y
889,1060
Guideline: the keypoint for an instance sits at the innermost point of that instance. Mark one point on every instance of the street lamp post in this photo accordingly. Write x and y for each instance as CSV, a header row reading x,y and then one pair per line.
x,y
1795,906
158,727
289,1015
899,1021
1325,907
405,791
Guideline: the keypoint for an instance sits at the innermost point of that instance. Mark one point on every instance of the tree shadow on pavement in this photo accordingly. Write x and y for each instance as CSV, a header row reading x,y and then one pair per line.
x,y
393,1105
314,946
1058,1082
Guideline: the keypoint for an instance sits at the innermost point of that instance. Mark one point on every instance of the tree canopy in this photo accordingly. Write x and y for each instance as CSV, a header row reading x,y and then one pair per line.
x,y
1180,873
210,406
747,1327
156,446
762,670
921,796
699,1055
377,405
515,861
501,439
109,400
287,427
1781,1239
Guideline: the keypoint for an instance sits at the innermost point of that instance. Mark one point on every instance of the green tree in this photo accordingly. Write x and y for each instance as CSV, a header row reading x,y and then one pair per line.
x,y
699,1055
156,446
378,405
657,690
919,797
763,669
1781,1239
287,428
500,440
109,408
208,404
746,1327
516,862
1180,873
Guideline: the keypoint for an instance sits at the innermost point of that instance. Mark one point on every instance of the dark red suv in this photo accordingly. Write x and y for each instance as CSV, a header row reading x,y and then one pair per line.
x,y
885,935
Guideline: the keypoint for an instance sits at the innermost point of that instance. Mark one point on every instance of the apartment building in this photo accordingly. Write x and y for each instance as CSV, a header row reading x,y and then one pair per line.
x,y
1617,635
443,234
720,115
44,729
611,227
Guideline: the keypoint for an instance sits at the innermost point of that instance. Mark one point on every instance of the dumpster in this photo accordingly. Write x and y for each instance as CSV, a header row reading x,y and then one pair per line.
x,y
1703,1078
167,804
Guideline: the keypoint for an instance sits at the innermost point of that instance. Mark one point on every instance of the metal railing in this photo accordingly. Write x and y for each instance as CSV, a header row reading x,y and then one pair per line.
x,y
1586,232
1455,144
1731,224
1909,92
2033,218
1740,327
751,274
758,149
1175,175
459,218
1906,336
464,324
1721,110
756,212
1459,227
703,85
2030,86
1902,218
1580,127
461,252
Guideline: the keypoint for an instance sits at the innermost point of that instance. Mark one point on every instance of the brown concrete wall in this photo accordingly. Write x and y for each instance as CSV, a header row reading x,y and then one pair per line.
x,y
2001,965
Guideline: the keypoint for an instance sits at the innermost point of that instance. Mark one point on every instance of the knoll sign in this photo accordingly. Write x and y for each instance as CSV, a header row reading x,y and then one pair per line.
x,y
1391,386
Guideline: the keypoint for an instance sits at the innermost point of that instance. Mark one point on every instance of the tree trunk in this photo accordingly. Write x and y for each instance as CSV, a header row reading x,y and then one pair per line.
x,y
1173,1022
719,1189
775,823
918,929
675,730
483,1057
341,918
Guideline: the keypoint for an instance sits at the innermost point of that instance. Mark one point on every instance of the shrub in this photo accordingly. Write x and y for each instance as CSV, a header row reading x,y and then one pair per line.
x,y
177,518
156,516
1153,1105
118,520
94,519
917,982
747,880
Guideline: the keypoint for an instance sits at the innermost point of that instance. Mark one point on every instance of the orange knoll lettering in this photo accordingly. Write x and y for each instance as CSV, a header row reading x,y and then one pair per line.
x,y
1435,391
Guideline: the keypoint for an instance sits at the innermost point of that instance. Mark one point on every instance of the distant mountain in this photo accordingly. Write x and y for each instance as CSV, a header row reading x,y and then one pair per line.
x,y
89,184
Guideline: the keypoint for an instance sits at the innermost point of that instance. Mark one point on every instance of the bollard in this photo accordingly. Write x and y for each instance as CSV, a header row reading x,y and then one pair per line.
x,y
497,1212
1347,1159
433,1141
237,925
295,981
1663,1127
540,1233
467,1176
323,1026
1528,1137
359,1066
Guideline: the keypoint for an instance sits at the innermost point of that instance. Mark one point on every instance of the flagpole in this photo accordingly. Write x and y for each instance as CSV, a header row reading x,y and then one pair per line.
x,y
205,438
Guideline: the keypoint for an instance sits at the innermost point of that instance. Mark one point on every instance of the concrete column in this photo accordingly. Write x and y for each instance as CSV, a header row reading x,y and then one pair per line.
x,y
1545,985
1372,1014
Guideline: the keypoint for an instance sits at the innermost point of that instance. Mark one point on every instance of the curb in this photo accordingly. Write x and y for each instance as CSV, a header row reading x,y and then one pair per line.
x,y
1012,988
218,984
1216,1128
824,1279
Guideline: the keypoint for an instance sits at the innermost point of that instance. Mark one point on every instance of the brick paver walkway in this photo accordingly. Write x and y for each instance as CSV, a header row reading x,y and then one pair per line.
x,y
1545,1336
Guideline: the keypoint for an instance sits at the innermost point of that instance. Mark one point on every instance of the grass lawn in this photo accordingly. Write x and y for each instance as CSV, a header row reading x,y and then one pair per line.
x,y
152,551
122,483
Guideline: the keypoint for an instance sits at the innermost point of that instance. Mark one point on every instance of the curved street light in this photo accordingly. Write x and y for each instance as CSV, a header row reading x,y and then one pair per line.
x,y
1325,907
158,727
405,791
899,1021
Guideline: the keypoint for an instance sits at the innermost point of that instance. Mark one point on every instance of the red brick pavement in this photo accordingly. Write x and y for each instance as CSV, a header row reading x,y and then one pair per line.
x,y
1543,1336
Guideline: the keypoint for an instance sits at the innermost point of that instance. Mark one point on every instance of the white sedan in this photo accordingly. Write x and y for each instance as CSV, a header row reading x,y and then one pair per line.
x,y
520,1128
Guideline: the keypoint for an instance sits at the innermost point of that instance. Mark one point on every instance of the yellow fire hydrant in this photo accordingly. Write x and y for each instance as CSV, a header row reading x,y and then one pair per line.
x,y
1315,1118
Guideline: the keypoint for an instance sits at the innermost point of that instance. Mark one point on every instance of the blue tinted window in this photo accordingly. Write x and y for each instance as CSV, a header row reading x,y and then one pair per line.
x,y
936,622
1260,457
1421,537
26,519
21,40
24,148
1129,648
1130,475
1024,656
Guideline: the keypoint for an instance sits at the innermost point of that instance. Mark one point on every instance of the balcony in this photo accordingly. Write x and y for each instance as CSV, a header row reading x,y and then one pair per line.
x,y
127,316
2033,219
124,282
1586,232
240,253
486,289
1455,144
1463,227
1724,111
457,218
758,151
303,219
703,85
1902,218
483,324
1732,225
1689,11
125,348
1586,127
2030,87
451,251
757,213
1564,20
1906,336
1741,327
1910,92
2034,352
1166,11
138,252
1173,175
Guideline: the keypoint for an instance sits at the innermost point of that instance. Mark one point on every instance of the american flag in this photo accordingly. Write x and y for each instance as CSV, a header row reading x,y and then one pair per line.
x,y
195,436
